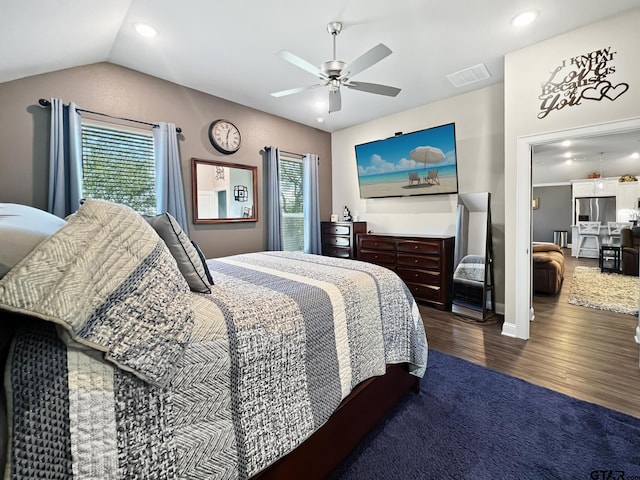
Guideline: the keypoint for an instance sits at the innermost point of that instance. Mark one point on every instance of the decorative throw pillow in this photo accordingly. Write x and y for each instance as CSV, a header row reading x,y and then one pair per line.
x,y
207,272
22,228
182,250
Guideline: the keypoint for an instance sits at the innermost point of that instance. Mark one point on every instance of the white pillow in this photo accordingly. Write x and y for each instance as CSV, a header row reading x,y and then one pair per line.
x,y
22,228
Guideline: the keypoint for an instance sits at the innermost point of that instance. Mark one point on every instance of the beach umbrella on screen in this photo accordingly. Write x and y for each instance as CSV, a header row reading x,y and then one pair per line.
x,y
426,154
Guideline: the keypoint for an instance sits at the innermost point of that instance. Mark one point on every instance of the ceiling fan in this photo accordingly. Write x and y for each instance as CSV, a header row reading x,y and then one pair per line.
x,y
335,73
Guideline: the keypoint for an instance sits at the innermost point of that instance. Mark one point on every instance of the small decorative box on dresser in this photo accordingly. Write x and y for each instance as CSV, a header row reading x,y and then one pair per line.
x,y
425,263
339,238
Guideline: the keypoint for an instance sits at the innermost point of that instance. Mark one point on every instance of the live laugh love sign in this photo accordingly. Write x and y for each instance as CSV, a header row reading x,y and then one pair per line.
x,y
584,77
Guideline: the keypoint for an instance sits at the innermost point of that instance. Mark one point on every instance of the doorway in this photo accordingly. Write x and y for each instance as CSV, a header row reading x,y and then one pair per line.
x,y
524,312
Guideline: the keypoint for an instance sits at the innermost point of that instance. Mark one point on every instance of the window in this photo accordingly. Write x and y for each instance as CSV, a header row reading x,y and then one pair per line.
x,y
118,165
291,204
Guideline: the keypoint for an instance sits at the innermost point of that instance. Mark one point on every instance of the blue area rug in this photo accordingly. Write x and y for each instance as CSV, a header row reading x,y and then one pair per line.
x,y
470,422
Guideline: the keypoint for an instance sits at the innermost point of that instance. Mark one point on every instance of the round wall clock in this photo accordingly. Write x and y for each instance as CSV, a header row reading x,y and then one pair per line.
x,y
224,136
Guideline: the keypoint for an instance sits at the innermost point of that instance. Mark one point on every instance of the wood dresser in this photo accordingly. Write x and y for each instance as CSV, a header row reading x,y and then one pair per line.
x,y
339,238
424,262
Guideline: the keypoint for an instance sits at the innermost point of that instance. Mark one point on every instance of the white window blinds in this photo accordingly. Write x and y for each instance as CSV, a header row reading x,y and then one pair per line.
x,y
291,204
118,165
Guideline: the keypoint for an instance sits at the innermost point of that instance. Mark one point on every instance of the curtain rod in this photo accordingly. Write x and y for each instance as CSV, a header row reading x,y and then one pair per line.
x,y
293,154
46,103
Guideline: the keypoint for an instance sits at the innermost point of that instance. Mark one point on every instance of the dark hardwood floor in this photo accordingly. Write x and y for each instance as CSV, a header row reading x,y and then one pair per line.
x,y
582,352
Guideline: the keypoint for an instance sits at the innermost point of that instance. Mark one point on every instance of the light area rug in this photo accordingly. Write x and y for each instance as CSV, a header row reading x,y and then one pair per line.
x,y
605,291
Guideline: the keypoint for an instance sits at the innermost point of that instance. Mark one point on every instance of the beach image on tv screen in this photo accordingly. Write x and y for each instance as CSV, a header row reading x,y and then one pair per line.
x,y
417,163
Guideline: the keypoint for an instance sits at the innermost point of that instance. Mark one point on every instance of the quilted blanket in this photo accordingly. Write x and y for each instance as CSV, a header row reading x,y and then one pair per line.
x,y
155,381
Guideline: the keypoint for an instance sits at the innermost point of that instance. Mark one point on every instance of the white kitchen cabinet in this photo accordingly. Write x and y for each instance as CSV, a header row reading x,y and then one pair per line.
x,y
582,188
608,187
627,200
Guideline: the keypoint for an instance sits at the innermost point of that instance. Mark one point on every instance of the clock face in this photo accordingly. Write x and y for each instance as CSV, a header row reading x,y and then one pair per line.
x,y
224,136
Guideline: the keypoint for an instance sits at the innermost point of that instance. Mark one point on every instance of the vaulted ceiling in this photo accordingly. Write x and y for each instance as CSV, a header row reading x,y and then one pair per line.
x,y
228,49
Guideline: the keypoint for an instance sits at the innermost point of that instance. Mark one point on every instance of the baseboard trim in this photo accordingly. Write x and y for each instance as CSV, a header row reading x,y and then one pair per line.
x,y
509,329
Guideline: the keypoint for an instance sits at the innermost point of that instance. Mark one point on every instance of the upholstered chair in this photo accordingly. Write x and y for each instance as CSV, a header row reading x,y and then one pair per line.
x,y
630,245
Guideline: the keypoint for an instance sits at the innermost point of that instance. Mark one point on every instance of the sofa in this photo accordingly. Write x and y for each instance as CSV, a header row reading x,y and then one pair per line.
x,y
630,241
548,268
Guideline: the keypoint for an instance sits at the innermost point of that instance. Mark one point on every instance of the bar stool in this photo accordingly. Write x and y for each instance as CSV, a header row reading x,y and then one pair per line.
x,y
615,231
588,230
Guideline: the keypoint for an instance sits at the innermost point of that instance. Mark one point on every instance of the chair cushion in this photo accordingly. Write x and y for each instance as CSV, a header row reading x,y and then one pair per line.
x,y
548,268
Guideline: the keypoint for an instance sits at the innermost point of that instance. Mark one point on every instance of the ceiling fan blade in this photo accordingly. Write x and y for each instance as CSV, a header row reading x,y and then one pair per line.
x,y
366,60
335,101
291,91
300,63
373,88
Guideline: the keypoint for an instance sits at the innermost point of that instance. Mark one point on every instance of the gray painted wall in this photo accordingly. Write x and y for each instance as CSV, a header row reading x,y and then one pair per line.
x,y
119,91
554,212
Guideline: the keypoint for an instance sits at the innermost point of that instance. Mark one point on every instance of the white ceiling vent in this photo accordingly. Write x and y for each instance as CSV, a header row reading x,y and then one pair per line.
x,y
469,75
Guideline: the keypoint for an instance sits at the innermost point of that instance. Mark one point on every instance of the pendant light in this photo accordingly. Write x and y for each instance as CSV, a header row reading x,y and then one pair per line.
x,y
600,181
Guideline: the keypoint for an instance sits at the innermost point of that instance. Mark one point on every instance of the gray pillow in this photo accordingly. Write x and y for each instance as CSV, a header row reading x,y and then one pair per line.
x,y
182,250
22,228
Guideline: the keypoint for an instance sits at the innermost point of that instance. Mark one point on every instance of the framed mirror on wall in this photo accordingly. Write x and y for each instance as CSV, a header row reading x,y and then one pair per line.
x,y
223,192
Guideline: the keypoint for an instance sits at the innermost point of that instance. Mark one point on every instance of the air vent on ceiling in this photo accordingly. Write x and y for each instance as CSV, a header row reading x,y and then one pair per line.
x,y
469,75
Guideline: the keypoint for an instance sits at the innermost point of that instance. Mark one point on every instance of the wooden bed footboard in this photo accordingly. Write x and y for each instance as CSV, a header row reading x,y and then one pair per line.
x,y
357,415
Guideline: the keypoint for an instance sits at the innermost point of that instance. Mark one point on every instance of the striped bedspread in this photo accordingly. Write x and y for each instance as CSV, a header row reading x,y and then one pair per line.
x,y
265,360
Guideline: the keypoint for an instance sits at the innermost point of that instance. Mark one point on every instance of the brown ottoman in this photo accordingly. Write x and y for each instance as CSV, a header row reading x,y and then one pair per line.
x,y
548,268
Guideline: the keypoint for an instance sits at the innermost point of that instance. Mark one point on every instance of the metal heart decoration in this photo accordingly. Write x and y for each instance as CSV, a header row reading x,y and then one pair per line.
x,y
612,92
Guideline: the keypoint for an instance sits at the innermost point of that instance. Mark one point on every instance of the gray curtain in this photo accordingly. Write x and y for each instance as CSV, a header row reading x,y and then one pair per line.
x,y
65,159
272,175
311,204
462,233
169,186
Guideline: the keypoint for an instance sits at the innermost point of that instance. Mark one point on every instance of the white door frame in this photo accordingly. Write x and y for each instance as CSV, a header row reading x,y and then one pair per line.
x,y
523,306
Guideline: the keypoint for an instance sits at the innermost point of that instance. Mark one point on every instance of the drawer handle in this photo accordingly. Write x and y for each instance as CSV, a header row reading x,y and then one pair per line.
x,y
375,244
416,247
375,256
416,261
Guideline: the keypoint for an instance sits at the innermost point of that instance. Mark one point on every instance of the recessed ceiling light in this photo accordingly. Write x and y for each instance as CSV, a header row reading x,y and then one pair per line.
x,y
145,30
568,161
635,155
320,120
566,143
567,155
524,18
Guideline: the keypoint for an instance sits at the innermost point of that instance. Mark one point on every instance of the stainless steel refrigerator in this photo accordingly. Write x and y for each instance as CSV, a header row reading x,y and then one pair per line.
x,y
596,209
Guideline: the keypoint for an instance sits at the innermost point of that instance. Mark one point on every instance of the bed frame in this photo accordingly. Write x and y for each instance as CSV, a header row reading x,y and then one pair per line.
x,y
356,416
323,451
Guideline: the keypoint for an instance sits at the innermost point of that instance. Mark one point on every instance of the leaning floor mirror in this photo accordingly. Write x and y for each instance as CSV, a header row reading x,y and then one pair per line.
x,y
223,192
473,287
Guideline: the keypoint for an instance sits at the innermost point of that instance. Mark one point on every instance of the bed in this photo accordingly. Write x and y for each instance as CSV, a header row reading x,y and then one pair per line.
x,y
121,365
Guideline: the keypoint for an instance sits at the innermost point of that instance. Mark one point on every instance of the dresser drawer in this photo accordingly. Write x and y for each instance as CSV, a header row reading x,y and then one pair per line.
x,y
378,257
423,247
377,243
333,229
424,263
428,277
419,261
336,240
425,292
335,251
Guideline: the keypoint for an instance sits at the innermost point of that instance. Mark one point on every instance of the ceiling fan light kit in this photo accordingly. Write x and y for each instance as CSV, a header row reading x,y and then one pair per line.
x,y
336,73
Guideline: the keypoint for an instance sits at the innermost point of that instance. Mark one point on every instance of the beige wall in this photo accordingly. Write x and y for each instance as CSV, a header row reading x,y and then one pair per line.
x,y
107,88
525,71
479,146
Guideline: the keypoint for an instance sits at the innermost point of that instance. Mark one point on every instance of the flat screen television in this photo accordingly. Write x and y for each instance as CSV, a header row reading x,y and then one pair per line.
x,y
416,163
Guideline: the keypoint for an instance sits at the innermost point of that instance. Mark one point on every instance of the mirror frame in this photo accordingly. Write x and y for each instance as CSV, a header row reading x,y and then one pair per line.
x,y
194,191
